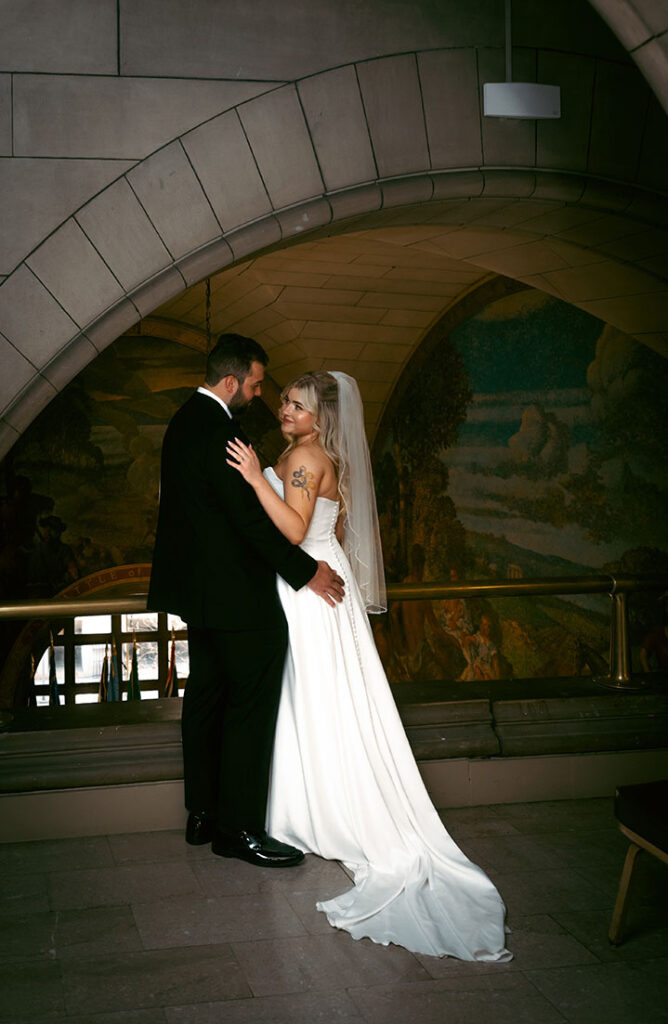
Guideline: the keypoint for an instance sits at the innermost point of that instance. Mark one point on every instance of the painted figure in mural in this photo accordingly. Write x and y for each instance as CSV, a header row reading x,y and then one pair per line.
x,y
344,782
654,647
458,625
424,649
215,562
483,653
20,510
52,564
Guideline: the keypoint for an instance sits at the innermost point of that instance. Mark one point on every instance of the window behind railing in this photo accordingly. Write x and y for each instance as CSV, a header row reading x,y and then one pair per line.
x,y
79,652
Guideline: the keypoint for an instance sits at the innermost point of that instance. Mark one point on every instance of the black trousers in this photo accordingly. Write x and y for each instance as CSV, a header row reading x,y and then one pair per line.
x,y
228,722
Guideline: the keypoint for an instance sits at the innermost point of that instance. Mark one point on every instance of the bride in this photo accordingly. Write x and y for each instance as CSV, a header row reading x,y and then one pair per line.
x,y
345,785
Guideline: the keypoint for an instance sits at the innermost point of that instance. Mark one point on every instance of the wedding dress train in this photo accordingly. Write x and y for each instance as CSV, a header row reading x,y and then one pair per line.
x,y
346,787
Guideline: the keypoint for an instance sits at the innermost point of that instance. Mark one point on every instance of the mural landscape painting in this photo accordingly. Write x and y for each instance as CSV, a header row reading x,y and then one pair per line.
x,y
529,440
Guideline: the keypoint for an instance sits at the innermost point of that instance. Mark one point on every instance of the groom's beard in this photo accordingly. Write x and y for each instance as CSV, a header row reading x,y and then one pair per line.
x,y
238,406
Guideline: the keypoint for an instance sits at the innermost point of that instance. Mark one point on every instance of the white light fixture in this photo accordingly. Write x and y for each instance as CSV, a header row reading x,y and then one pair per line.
x,y
519,99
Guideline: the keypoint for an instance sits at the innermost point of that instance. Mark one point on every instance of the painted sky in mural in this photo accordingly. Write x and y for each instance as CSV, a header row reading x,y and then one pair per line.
x,y
563,450
553,464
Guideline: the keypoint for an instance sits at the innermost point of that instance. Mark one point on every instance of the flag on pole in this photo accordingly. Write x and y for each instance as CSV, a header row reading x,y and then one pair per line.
x,y
134,689
113,681
54,695
32,699
172,684
103,692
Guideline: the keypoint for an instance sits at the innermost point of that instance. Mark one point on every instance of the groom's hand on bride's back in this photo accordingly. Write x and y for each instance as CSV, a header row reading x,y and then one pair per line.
x,y
327,584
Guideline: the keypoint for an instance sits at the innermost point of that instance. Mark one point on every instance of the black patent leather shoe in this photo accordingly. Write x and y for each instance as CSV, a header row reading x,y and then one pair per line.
x,y
199,828
256,848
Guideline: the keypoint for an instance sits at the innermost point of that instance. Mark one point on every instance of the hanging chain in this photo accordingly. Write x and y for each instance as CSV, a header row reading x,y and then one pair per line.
x,y
208,315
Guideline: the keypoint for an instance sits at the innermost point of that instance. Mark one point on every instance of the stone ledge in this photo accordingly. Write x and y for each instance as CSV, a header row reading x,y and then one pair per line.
x,y
103,745
451,782
450,729
62,758
620,721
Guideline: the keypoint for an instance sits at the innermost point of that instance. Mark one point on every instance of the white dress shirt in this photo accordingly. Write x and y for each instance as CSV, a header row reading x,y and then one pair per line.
x,y
210,394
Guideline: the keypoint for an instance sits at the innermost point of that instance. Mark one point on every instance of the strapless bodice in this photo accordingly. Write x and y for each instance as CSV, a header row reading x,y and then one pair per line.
x,y
323,523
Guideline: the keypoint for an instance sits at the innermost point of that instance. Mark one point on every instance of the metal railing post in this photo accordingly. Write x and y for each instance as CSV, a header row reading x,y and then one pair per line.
x,y
620,676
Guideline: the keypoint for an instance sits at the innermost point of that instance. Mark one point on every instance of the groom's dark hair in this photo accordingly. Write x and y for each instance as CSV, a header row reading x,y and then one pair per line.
x,y
232,355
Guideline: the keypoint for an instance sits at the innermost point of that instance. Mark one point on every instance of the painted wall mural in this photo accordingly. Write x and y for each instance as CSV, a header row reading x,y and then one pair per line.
x,y
81,485
530,441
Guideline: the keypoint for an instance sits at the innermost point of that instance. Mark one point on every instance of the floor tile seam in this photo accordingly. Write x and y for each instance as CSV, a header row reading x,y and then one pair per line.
x,y
608,965
104,955
281,938
138,1008
18,878
295,910
201,894
7,920
53,919
17,920
573,935
181,858
242,971
181,945
221,1002
38,870
436,984
527,975
598,830
207,897
480,993
538,833
123,953
599,886
525,871
158,865
19,961
181,894
113,904
541,827
332,936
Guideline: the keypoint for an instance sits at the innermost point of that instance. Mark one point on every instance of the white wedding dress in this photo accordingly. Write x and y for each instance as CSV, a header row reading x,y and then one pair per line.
x,y
346,787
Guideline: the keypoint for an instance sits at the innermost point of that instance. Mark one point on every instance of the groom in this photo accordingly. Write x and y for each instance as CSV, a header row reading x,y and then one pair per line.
x,y
215,563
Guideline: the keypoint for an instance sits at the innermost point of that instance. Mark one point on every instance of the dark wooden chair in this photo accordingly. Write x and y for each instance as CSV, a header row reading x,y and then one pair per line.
x,y
642,814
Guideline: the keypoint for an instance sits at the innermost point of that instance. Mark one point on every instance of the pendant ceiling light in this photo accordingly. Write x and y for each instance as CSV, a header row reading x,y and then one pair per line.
x,y
519,99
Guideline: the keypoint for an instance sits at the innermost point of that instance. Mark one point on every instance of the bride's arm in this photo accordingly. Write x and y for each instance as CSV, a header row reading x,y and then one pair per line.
x,y
303,475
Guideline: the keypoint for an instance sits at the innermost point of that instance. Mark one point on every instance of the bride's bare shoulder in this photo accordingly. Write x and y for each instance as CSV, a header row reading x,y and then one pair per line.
x,y
311,453
312,460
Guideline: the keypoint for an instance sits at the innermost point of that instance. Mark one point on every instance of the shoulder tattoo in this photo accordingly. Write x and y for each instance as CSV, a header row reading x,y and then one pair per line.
x,y
304,479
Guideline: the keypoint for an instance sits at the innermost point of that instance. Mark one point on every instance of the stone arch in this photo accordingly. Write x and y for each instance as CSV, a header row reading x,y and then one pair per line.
x,y
641,28
339,150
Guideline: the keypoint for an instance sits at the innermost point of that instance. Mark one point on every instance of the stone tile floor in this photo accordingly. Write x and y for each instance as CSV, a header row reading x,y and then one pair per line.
x,y
142,929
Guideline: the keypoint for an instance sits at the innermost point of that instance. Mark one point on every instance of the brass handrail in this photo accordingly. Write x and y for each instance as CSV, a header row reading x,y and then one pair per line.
x,y
67,608
601,584
617,587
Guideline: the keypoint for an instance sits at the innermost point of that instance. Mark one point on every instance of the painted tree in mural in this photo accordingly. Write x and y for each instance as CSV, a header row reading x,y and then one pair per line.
x,y
425,421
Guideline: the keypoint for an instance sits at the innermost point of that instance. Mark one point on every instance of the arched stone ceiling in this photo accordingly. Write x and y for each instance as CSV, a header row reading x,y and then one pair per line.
x,y
642,28
273,163
361,300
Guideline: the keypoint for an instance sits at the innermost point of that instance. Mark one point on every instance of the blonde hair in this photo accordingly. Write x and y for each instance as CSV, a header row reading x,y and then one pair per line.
x,y
319,394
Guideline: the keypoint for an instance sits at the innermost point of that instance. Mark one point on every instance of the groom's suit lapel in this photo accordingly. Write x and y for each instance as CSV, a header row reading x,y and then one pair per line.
x,y
232,424
237,430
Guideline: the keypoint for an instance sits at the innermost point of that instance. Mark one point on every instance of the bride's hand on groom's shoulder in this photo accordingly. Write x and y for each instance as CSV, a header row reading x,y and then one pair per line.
x,y
243,458
327,584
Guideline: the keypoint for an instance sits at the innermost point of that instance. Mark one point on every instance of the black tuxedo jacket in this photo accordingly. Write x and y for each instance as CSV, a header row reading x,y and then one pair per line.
x,y
216,552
